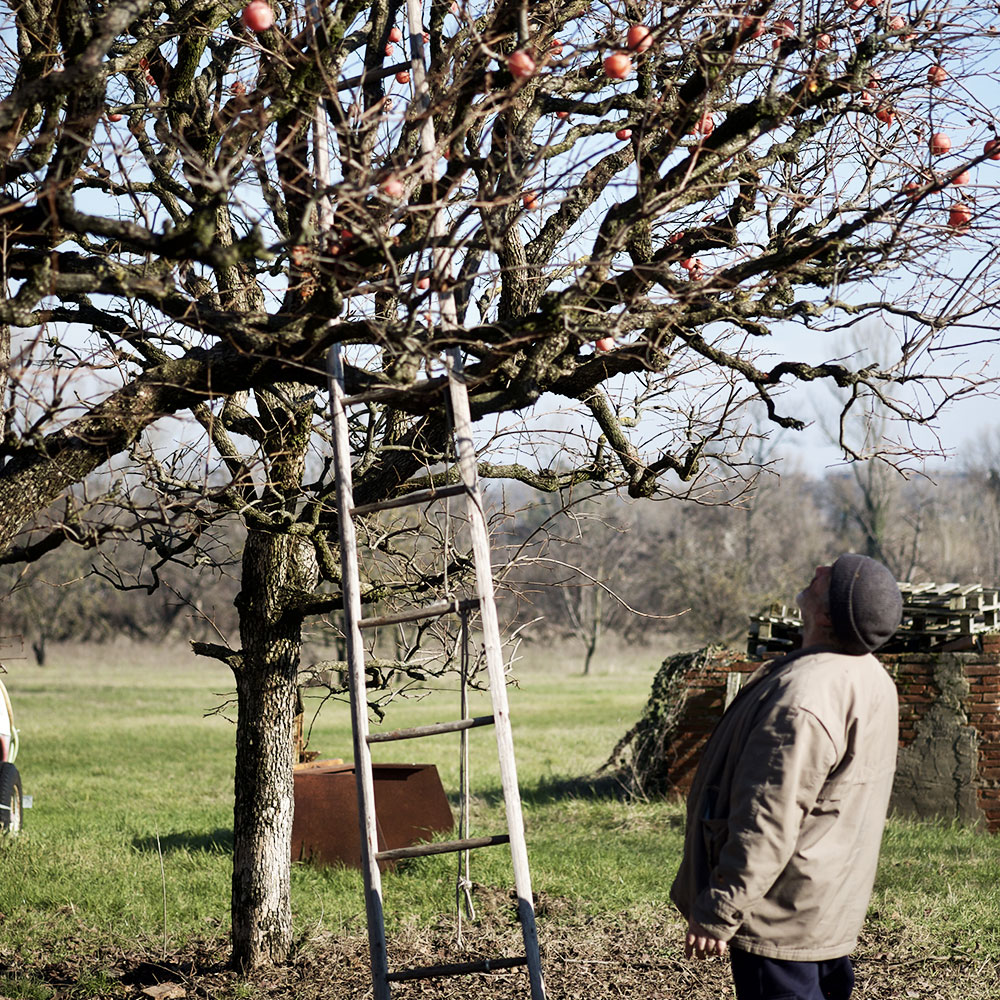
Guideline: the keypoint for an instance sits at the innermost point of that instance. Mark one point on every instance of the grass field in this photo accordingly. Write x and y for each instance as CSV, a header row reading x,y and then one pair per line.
x,y
127,847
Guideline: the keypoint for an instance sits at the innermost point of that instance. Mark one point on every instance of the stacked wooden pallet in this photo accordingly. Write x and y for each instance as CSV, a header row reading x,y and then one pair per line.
x,y
935,616
778,629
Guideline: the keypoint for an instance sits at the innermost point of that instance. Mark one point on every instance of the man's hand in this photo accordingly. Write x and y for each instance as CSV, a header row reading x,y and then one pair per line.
x,y
699,942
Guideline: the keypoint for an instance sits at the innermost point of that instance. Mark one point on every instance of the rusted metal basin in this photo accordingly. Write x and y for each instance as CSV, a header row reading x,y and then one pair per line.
x,y
410,806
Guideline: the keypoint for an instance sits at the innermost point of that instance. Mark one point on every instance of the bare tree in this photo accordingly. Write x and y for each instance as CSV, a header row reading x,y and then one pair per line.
x,y
521,180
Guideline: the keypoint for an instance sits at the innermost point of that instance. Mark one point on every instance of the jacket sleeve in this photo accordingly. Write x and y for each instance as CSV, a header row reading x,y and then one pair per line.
x,y
776,783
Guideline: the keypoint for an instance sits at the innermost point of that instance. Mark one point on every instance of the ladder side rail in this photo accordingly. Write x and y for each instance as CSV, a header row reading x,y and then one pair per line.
x,y
351,587
495,669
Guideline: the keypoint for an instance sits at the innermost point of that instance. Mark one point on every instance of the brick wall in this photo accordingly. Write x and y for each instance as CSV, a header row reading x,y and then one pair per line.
x,y
984,717
949,728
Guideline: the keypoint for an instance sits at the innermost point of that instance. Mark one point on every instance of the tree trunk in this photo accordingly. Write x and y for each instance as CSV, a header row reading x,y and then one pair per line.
x,y
265,685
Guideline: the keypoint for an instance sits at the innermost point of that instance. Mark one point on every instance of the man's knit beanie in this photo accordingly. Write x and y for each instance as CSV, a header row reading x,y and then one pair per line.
x,y
866,606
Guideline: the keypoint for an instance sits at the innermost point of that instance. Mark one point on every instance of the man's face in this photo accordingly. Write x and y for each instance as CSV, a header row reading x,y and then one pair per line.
x,y
814,600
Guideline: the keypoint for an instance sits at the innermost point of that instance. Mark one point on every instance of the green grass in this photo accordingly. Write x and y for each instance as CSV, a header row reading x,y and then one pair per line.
x,y
127,769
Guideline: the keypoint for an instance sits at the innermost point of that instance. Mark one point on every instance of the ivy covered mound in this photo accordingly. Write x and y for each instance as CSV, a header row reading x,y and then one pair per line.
x,y
686,687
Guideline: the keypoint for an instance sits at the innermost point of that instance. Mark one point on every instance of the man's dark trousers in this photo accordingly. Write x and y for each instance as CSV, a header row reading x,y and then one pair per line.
x,y
759,978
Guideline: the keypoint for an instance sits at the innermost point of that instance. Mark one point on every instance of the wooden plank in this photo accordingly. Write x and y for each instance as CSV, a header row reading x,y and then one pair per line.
x,y
434,729
410,499
388,394
452,607
442,847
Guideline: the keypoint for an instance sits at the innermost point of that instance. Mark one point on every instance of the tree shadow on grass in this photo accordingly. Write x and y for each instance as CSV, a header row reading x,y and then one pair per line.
x,y
219,841
550,790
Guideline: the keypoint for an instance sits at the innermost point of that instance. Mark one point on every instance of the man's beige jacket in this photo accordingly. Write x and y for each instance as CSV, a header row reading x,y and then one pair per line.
x,y
785,816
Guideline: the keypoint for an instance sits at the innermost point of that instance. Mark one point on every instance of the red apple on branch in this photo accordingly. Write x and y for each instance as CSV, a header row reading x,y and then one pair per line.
x,y
521,65
258,16
618,65
392,187
940,143
959,216
705,125
639,38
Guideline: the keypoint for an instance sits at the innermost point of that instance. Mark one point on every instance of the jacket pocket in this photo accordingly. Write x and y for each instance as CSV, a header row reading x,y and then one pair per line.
x,y
715,833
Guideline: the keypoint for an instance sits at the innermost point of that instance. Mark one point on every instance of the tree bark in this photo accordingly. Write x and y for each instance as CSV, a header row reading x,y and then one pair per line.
x,y
265,685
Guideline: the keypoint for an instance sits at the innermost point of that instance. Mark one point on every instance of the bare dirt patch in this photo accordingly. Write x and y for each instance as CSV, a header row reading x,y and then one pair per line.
x,y
584,959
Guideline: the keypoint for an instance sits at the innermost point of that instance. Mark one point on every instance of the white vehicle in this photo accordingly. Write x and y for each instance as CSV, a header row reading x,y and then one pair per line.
x,y
11,799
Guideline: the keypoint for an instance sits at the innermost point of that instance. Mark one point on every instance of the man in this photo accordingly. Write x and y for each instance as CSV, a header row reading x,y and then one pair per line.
x,y
785,815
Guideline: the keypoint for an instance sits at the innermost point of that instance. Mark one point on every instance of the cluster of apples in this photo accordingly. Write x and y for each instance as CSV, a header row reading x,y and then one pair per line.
x,y
617,65
960,214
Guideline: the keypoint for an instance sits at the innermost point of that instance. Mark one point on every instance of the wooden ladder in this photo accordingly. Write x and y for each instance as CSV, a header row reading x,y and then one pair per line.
x,y
355,624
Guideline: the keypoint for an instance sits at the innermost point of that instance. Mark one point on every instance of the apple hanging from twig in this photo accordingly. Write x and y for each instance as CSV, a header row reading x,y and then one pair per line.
x,y
959,216
940,143
521,65
618,65
258,16
639,38
392,187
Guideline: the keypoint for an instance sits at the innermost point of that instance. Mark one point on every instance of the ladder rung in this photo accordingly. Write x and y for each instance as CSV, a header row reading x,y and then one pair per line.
x,y
395,391
456,969
428,611
441,847
432,730
408,499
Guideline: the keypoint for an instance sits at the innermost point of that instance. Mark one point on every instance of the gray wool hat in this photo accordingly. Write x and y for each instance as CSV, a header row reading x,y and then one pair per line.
x,y
866,606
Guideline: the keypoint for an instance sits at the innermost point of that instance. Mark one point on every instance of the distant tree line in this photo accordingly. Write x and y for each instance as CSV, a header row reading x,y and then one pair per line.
x,y
595,565
579,566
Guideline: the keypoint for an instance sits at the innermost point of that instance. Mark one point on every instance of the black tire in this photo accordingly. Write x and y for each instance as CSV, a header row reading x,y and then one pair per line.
x,y
11,806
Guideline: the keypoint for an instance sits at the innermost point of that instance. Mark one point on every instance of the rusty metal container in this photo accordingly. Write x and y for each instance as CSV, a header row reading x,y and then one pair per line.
x,y
410,805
